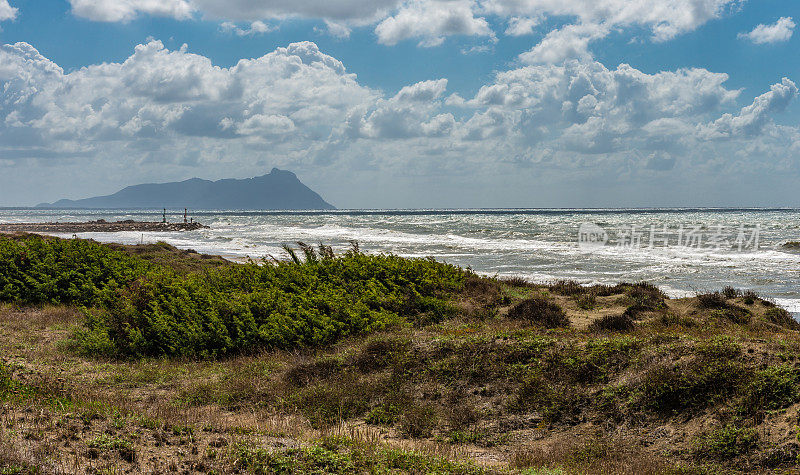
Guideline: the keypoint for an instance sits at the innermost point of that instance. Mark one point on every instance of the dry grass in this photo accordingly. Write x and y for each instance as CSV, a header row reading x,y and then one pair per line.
x,y
448,389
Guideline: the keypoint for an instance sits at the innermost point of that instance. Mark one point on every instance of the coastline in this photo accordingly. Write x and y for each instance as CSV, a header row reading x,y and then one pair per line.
x,y
483,376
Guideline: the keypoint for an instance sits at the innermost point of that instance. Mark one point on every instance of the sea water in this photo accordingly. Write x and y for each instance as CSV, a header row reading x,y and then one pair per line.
x,y
683,251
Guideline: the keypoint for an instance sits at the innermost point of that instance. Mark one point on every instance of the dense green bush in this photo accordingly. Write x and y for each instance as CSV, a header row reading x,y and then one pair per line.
x,y
78,272
282,305
141,308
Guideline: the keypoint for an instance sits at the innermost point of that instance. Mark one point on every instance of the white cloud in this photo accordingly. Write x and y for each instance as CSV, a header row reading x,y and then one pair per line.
x,y
518,26
126,10
338,30
775,33
159,97
666,19
752,119
571,41
7,12
296,107
256,28
430,21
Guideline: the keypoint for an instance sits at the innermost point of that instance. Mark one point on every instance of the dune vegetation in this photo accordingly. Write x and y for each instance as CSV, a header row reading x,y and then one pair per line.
x,y
150,359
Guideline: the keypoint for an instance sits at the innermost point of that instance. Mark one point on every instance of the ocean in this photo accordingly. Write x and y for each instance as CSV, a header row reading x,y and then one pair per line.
x,y
683,251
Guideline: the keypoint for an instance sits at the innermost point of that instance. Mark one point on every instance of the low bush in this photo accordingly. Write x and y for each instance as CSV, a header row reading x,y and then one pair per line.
x,y
731,293
775,387
696,384
566,287
617,323
418,421
726,442
587,301
750,297
781,317
714,300
142,308
539,311
59,271
341,455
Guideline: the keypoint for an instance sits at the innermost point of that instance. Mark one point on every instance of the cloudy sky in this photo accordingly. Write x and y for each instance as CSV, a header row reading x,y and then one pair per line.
x,y
407,103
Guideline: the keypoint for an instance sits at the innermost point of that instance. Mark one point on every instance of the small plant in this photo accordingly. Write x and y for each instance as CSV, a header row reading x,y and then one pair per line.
x,y
775,387
587,301
387,414
700,383
566,287
418,421
714,300
670,319
616,323
733,313
781,317
750,297
731,293
106,442
539,311
726,442
464,437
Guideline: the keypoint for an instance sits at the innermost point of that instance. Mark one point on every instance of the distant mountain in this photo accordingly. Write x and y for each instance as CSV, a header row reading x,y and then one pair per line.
x,y
279,189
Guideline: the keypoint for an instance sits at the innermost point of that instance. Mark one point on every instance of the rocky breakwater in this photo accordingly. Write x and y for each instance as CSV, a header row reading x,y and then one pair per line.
x,y
99,226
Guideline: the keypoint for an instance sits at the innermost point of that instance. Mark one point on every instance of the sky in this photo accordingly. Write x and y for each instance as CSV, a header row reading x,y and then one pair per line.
x,y
407,103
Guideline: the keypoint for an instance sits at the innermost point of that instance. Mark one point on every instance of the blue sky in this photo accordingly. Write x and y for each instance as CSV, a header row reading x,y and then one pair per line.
x,y
395,135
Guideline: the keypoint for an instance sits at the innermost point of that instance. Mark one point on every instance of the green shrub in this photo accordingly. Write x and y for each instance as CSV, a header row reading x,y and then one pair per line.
x,y
586,301
712,300
726,442
58,271
696,384
539,311
781,317
418,421
750,297
338,455
276,305
731,293
144,308
385,414
619,323
773,388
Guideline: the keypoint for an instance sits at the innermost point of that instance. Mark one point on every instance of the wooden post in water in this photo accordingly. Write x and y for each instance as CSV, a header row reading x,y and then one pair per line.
x,y
185,211
164,216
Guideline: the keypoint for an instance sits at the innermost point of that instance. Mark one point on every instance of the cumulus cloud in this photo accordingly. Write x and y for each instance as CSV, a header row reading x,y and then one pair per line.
x,y
299,107
430,21
7,12
412,112
666,19
571,41
777,32
158,96
752,119
126,10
